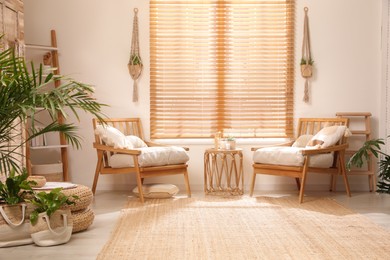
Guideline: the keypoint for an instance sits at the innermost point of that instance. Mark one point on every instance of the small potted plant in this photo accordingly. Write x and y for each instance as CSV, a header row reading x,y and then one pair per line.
x,y
231,143
51,225
307,67
135,65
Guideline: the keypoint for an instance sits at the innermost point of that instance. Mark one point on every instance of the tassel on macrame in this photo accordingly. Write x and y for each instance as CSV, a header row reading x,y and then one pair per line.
x,y
135,63
306,61
306,93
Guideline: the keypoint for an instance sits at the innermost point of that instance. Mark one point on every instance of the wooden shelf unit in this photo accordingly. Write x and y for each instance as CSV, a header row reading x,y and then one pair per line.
x,y
365,134
63,146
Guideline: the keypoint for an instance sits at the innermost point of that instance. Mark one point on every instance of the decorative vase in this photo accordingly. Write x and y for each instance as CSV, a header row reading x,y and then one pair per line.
x,y
231,145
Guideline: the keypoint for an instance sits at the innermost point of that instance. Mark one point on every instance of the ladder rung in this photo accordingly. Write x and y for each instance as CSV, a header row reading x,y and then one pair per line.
x,y
360,132
355,172
353,114
41,47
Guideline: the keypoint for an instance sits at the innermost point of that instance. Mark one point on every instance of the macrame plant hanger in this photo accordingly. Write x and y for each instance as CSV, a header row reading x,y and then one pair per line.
x,y
306,61
135,62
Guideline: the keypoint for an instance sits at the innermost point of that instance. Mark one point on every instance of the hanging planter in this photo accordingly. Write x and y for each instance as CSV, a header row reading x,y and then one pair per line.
x,y
306,61
135,63
307,68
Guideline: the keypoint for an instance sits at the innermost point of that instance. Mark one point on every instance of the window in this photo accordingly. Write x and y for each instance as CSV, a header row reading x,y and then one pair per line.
x,y
219,65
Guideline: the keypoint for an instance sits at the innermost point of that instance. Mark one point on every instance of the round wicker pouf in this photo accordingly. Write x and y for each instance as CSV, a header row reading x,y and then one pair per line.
x,y
84,195
82,215
82,219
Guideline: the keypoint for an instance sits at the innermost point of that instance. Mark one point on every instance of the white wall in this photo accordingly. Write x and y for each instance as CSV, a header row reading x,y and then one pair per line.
x,y
94,38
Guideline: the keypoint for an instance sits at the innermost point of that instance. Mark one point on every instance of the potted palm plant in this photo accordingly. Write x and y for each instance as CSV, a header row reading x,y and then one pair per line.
x,y
24,94
374,147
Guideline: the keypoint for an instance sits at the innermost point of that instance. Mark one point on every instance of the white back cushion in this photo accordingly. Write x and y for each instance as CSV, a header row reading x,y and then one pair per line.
x,y
302,141
327,136
111,136
135,142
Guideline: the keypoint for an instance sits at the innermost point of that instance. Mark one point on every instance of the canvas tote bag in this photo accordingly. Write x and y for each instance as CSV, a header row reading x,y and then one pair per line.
x,y
52,231
15,225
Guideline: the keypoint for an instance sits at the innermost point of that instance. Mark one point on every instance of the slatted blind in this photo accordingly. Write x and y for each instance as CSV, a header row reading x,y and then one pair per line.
x,y
219,65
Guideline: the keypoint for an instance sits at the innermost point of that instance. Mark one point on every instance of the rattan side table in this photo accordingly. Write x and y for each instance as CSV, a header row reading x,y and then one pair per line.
x,y
223,172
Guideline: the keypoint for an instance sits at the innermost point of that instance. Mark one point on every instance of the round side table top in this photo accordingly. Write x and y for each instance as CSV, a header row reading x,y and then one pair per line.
x,y
213,150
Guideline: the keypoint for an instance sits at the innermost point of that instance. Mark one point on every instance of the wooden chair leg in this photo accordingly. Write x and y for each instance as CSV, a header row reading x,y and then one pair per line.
x,y
304,173
187,182
253,183
333,181
97,171
298,183
139,185
343,173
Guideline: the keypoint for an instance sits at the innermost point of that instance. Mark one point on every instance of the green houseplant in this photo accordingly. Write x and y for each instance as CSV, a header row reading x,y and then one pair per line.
x,y
374,147
51,225
303,61
48,202
15,188
24,94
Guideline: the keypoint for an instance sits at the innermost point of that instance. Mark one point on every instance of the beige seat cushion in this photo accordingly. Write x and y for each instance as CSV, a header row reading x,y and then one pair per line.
x,y
290,156
151,156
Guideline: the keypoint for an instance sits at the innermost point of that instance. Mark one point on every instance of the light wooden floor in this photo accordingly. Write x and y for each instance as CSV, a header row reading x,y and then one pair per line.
x,y
107,204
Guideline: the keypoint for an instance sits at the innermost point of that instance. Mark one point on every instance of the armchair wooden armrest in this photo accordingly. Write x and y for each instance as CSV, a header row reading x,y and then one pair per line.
x,y
334,148
273,145
116,150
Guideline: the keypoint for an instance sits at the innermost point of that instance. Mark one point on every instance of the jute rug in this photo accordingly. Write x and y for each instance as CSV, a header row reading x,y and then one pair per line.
x,y
244,228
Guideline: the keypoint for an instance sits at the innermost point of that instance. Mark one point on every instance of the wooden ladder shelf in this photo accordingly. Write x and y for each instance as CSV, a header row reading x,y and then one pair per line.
x,y
364,118
63,146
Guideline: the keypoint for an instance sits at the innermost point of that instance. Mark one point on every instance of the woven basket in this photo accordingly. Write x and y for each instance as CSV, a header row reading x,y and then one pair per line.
x,y
55,176
40,180
82,219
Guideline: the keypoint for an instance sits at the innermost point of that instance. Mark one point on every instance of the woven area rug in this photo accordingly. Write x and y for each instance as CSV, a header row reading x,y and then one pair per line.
x,y
244,228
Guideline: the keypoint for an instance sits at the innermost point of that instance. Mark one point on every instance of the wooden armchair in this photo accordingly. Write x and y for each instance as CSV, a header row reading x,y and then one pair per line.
x,y
133,127
298,169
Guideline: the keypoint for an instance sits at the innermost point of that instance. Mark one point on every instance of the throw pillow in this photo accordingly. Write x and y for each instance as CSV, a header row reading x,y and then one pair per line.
x,y
327,136
302,141
112,136
135,142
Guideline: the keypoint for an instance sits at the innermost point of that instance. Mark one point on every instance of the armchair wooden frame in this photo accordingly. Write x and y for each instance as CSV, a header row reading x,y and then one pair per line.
x,y
131,126
309,126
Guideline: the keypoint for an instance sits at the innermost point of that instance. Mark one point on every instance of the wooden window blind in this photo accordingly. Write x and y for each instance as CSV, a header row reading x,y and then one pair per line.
x,y
221,65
